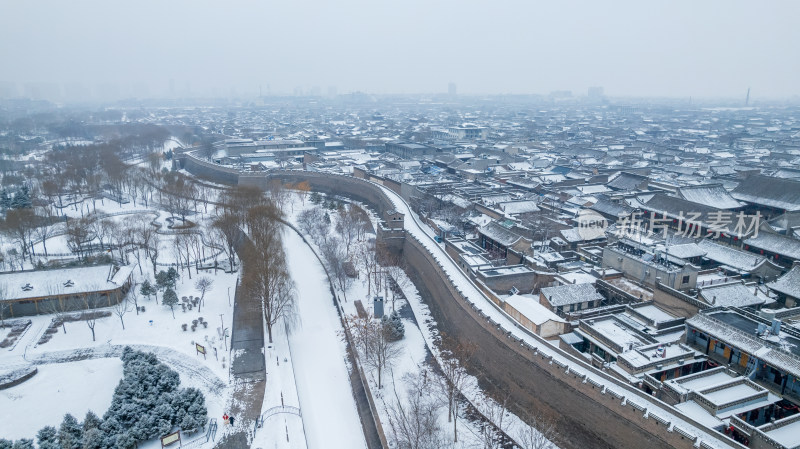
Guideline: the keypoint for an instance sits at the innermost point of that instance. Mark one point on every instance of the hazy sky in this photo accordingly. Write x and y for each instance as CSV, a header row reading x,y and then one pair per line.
x,y
639,48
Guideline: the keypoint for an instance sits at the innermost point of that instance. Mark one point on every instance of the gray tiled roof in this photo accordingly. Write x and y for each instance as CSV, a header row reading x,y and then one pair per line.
x,y
570,294
779,193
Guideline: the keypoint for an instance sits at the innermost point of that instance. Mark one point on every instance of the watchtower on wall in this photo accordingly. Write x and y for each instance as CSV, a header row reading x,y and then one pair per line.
x,y
391,233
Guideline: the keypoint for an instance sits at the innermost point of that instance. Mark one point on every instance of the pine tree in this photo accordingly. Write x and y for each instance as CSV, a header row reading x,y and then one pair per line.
x,y
93,439
5,203
148,290
23,444
170,299
47,438
395,326
172,276
91,421
5,444
21,199
70,433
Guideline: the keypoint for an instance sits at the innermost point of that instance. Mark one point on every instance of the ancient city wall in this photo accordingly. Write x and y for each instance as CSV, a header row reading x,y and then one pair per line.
x,y
586,415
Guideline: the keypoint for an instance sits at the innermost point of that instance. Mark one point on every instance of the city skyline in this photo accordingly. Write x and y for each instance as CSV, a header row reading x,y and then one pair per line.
x,y
191,49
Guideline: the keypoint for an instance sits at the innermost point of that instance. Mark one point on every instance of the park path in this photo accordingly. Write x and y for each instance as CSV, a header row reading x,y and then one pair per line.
x,y
248,370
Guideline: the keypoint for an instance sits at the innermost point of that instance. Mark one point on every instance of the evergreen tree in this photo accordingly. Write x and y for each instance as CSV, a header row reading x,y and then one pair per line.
x,y
70,433
316,198
170,299
47,438
163,280
21,199
148,403
125,441
147,289
5,203
5,444
393,325
93,439
23,444
172,276
91,421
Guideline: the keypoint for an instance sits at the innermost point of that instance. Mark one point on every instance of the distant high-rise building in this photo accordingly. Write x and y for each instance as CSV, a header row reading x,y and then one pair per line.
x,y
596,92
331,91
451,89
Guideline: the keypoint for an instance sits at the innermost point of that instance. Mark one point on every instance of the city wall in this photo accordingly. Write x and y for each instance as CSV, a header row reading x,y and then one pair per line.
x,y
585,414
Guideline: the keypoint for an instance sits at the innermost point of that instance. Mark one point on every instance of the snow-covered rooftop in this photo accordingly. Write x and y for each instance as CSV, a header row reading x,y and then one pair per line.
x,y
63,281
529,306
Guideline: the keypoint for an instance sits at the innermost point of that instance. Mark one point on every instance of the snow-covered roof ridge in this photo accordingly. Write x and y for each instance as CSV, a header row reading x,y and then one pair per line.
x,y
709,194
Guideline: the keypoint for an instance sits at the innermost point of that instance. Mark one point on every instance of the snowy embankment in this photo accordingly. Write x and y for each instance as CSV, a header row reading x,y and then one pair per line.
x,y
412,360
318,356
473,295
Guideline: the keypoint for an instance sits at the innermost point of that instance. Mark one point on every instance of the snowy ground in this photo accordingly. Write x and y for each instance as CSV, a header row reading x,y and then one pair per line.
x,y
153,329
74,387
415,346
317,354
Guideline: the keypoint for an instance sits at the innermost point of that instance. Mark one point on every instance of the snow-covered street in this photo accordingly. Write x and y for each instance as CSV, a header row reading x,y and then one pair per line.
x,y
326,399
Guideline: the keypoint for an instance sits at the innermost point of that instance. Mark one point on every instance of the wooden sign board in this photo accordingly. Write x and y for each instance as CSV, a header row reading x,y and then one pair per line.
x,y
172,438
200,349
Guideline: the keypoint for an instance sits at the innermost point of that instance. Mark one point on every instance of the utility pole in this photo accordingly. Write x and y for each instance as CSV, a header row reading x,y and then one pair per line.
x,y
224,333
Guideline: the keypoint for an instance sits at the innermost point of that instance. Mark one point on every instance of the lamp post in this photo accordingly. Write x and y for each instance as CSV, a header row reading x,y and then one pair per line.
x,y
224,333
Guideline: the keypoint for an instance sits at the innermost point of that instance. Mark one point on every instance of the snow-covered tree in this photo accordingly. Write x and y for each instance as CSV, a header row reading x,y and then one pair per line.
x,y
47,438
203,285
148,290
170,299
23,444
70,433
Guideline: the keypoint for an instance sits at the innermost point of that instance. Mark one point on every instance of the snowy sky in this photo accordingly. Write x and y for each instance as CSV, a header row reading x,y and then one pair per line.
x,y
179,47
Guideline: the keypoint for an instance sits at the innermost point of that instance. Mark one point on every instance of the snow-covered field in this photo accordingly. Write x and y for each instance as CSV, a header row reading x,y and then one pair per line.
x,y
73,387
326,400
76,386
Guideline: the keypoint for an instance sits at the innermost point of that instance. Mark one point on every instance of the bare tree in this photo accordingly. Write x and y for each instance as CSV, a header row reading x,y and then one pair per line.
x,y
382,351
266,276
57,307
271,284
4,305
493,428
226,229
203,284
336,260
88,314
133,294
302,188
197,249
120,309
19,225
78,232
368,261
414,420
346,226
454,379
537,433
45,230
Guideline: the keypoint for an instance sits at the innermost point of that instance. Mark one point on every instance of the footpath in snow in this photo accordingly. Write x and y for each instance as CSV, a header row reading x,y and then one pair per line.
x,y
329,411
